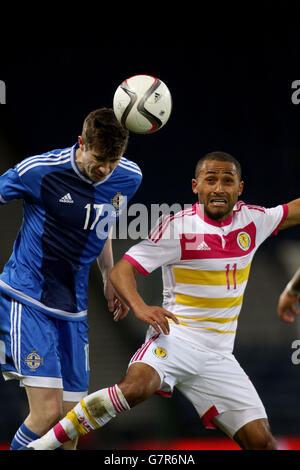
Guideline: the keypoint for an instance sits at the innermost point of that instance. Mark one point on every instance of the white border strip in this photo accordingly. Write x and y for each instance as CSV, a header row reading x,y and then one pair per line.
x,y
10,289
43,158
59,162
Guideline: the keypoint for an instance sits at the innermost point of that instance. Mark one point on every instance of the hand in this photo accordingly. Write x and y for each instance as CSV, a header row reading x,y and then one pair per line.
x,y
115,304
157,317
286,308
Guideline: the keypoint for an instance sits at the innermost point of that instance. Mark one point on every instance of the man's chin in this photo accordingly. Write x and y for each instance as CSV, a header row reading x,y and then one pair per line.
x,y
218,214
96,178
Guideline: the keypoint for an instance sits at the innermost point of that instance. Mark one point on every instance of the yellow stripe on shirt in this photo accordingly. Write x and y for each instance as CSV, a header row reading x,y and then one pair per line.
x,y
215,330
206,302
210,278
223,332
212,319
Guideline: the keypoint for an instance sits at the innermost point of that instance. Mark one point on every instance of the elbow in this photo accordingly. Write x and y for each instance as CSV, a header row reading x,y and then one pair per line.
x,y
122,271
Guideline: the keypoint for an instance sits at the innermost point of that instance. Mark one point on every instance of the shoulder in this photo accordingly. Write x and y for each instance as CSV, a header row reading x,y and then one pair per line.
x,y
242,207
130,168
262,217
171,224
246,213
40,164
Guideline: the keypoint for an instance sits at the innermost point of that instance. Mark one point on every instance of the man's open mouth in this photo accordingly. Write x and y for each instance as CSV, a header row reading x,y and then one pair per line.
x,y
218,202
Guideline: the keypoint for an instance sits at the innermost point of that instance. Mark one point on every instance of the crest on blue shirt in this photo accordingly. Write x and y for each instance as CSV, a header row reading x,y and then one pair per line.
x,y
117,201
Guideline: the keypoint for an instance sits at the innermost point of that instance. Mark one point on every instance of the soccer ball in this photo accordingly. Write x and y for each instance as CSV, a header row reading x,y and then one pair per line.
x,y
142,104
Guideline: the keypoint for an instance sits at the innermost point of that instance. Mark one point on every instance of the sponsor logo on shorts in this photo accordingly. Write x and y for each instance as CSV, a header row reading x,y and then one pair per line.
x,y
33,360
160,353
244,241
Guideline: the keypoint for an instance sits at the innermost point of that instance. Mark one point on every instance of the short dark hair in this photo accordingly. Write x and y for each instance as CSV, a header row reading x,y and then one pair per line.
x,y
103,132
221,157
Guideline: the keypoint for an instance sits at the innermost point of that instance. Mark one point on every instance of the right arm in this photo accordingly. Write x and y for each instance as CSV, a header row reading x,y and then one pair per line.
x,y
123,277
286,308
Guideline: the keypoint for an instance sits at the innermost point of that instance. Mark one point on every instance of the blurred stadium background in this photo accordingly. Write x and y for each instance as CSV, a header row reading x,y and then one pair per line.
x,y
228,95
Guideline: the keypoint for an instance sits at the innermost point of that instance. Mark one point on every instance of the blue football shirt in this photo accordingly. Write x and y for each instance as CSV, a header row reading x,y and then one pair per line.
x,y
61,233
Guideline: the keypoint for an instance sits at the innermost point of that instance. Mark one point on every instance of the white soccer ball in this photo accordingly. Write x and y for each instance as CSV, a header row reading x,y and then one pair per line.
x,y
142,104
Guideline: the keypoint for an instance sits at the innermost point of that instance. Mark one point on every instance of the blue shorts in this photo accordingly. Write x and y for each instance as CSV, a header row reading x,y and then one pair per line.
x,y
43,351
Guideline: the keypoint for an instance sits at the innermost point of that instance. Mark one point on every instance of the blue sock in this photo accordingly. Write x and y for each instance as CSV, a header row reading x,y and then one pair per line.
x,y
23,437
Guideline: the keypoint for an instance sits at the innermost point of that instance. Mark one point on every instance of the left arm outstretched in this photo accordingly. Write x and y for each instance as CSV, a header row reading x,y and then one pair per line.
x,y
293,217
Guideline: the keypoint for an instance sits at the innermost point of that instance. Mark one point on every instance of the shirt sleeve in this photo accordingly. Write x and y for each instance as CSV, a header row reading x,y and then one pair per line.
x,y
162,247
268,221
11,186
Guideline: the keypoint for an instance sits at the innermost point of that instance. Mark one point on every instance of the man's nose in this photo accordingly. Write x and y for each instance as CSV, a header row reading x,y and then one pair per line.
x,y
219,187
105,168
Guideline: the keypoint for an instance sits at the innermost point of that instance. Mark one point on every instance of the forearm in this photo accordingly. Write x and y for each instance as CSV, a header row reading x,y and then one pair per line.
x,y
286,307
293,217
123,278
293,287
106,260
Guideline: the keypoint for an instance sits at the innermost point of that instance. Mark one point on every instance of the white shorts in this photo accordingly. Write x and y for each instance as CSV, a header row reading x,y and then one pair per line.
x,y
215,384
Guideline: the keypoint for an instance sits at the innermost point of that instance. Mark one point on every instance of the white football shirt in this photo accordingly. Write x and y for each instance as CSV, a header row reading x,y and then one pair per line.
x,y
205,268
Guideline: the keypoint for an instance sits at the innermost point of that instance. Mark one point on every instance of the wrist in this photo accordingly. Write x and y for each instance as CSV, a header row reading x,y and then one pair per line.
x,y
137,304
290,289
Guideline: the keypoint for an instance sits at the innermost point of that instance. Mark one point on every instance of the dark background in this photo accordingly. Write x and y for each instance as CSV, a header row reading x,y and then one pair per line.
x,y
231,91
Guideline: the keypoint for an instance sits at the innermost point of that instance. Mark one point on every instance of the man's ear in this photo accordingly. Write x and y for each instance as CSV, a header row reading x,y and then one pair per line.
x,y
241,187
194,186
80,142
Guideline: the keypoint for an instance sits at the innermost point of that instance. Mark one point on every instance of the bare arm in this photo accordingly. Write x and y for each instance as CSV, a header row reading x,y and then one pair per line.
x,y
123,277
293,217
286,308
105,262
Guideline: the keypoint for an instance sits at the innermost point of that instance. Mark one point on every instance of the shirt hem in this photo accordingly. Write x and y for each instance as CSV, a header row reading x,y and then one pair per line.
x,y
31,302
136,264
